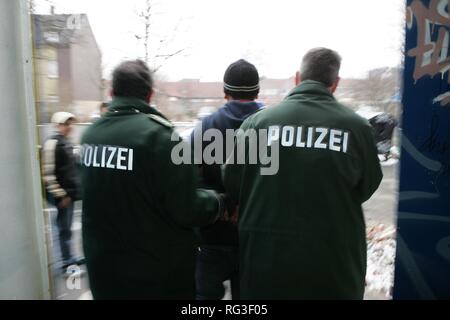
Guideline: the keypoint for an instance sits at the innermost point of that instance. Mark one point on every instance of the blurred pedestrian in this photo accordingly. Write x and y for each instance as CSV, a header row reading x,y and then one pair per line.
x,y
62,182
384,125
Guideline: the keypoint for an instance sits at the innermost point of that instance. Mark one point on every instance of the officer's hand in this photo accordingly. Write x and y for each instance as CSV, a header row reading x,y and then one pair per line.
x,y
233,218
64,203
230,209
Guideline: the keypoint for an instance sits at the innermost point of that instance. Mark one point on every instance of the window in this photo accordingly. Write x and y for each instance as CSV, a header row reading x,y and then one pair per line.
x,y
52,69
52,98
51,36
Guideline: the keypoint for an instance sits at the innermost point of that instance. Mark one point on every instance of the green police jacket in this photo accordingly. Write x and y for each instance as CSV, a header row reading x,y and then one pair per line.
x,y
138,207
302,230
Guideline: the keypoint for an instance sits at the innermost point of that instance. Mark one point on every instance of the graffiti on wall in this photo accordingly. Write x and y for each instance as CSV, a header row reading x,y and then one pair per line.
x,y
431,51
423,221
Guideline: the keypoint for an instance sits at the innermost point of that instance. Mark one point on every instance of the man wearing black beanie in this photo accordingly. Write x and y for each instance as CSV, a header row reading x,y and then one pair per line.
x,y
218,255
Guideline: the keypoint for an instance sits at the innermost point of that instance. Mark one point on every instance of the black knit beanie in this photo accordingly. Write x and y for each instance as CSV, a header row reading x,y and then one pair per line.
x,y
241,80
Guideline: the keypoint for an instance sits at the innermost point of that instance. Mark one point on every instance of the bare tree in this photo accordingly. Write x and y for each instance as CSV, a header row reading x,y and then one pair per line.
x,y
401,8
146,15
157,54
31,6
378,89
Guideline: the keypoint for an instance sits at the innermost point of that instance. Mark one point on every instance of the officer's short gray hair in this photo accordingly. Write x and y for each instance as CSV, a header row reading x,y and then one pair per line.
x,y
321,64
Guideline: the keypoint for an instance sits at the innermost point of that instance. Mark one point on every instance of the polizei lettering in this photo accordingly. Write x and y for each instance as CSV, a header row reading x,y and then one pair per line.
x,y
309,137
109,157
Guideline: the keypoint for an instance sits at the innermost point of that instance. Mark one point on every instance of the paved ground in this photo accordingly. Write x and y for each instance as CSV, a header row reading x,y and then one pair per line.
x,y
67,286
380,208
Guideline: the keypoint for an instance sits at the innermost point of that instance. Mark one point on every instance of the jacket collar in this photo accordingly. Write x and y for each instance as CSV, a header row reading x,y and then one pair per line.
x,y
131,105
243,108
311,87
59,136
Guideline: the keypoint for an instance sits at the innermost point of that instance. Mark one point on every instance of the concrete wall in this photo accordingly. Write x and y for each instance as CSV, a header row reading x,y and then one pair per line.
x,y
23,253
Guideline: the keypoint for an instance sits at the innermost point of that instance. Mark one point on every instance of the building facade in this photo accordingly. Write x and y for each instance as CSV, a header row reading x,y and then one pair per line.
x,y
68,66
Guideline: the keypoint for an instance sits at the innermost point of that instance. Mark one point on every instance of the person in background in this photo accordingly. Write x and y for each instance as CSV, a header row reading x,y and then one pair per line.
x,y
62,182
218,255
103,108
302,230
384,125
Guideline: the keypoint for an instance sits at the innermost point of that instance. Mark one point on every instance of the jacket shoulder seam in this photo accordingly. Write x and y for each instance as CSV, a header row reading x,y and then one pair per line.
x,y
161,120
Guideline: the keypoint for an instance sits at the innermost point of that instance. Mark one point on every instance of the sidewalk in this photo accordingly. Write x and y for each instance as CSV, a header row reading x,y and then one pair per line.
x,y
68,286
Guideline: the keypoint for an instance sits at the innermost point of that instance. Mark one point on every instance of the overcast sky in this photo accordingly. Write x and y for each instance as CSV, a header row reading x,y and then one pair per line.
x,y
272,34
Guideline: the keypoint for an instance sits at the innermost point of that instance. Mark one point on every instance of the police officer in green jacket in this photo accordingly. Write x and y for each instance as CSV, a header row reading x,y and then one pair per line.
x,y
302,229
138,207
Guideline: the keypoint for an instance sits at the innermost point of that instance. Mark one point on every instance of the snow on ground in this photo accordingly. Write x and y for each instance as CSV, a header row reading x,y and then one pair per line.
x,y
389,162
86,296
380,260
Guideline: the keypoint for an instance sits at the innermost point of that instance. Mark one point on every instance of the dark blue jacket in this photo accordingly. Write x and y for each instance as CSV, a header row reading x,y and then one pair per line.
x,y
230,116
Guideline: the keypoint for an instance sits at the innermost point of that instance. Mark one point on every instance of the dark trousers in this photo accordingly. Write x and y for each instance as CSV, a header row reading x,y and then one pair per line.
x,y
216,264
64,224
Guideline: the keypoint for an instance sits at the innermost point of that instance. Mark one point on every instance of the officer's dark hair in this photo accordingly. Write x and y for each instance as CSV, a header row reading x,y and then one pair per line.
x,y
132,78
321,64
